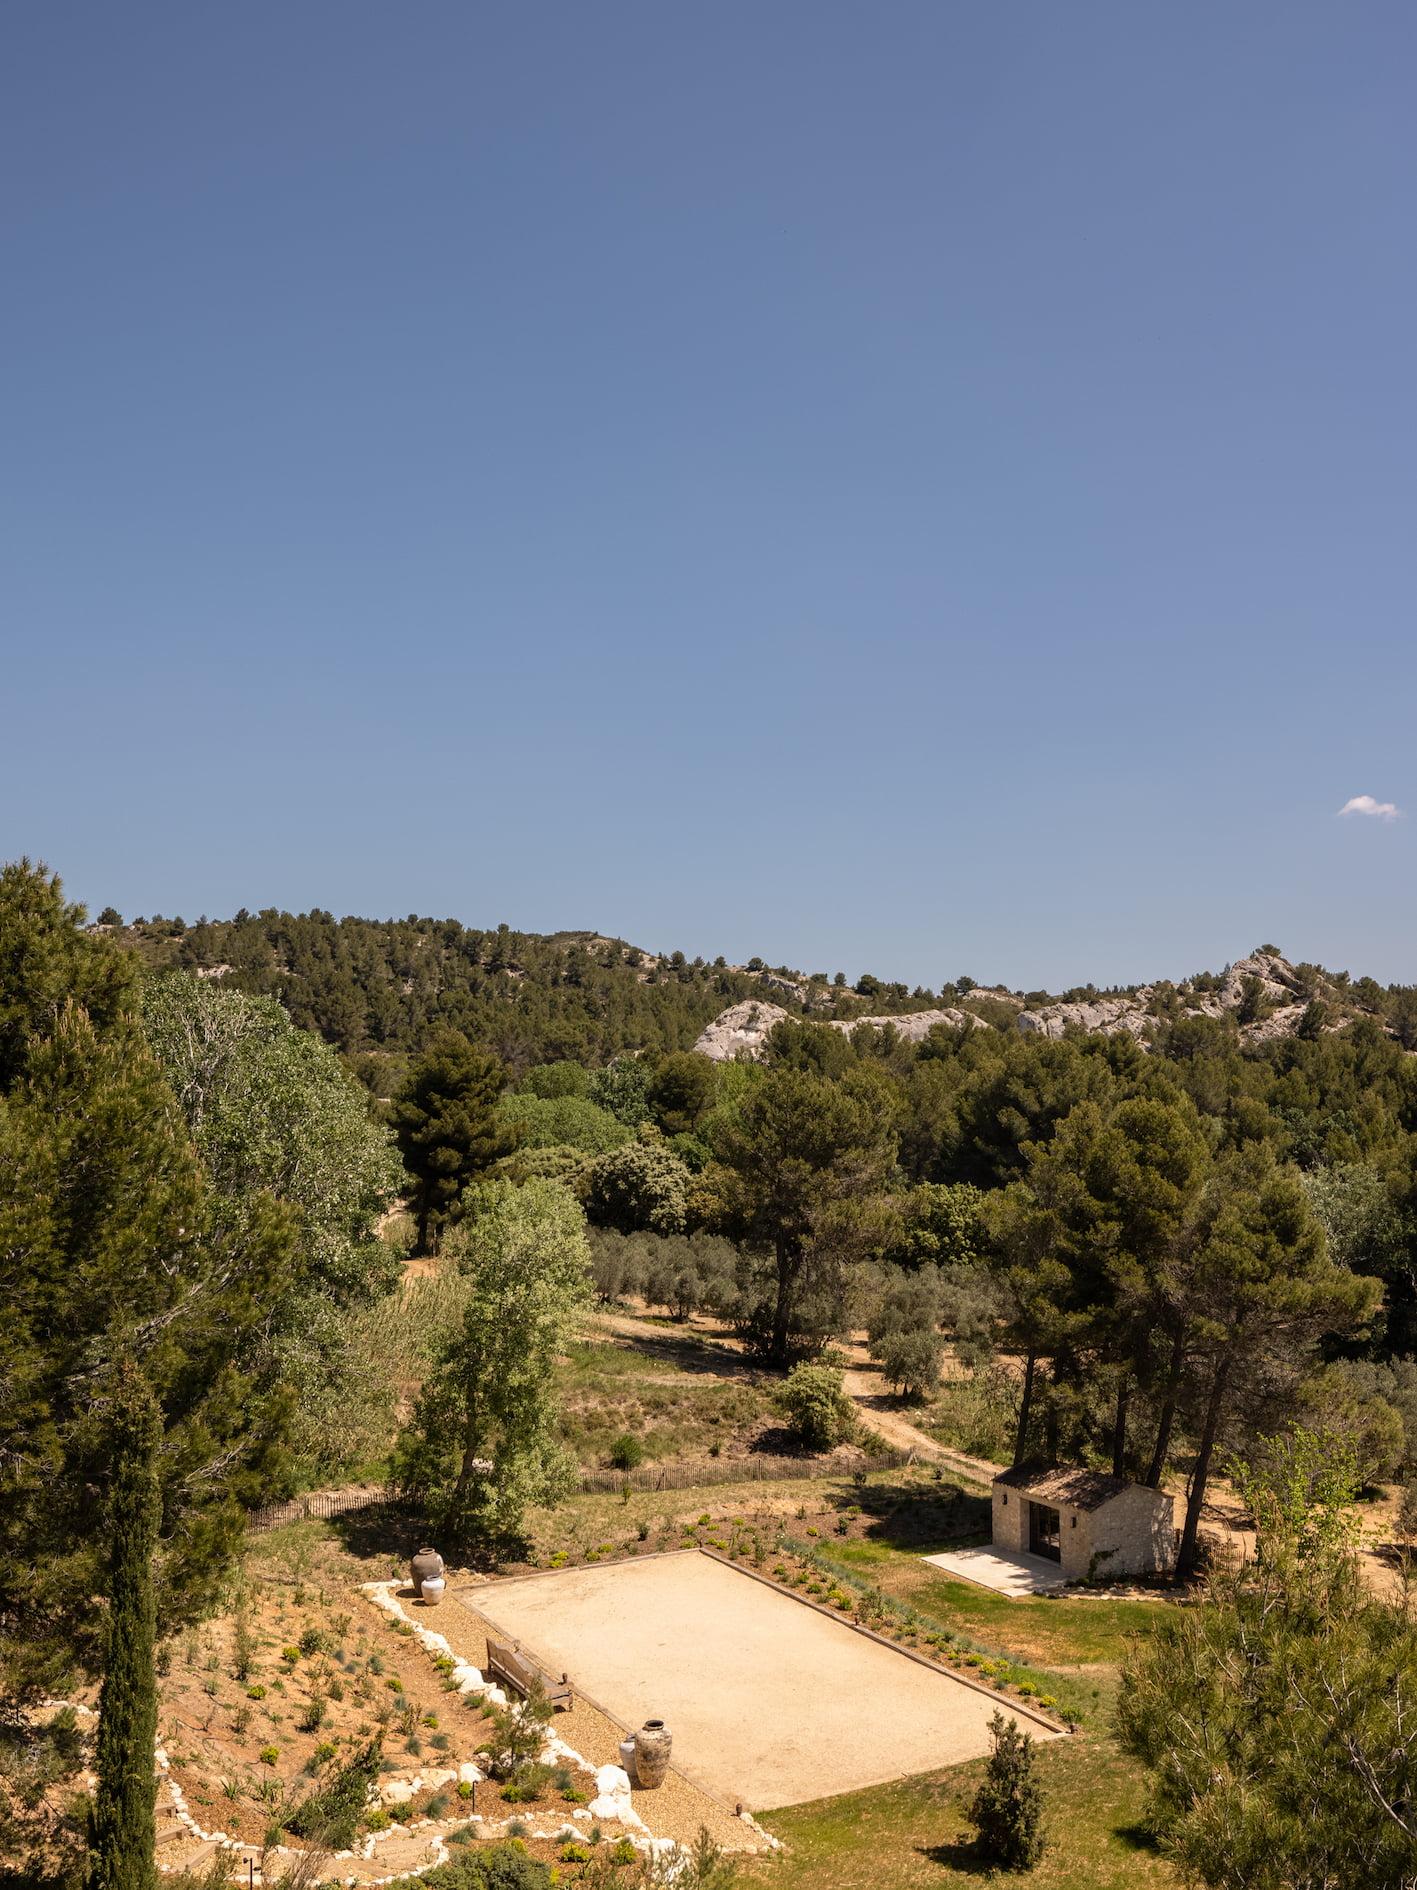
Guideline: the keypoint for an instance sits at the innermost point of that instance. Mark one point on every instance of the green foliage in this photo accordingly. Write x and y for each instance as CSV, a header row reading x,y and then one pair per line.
x,y
502,1867
564,1078
563,1122
942,1225
482,1442
905,1332
116,1251
272,1112
330,1815
641,1188
47,962
622,1087
1007,1812
678,1272
124,1821
1346,1400
803,1161
517,1737
626,1451
681,1092
448,1127
819,1414
1274,1719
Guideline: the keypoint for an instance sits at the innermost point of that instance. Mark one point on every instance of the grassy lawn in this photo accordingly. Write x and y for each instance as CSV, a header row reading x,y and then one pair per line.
x,y
914,1835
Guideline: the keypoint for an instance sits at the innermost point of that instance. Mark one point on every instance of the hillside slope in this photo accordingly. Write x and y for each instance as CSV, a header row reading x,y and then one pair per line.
x,y
378,987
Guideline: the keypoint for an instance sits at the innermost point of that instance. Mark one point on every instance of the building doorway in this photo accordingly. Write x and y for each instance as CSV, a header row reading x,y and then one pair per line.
x,y
1045,1532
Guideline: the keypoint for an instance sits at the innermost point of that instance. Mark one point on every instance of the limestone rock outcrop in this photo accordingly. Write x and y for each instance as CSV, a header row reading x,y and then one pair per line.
x,y
743,1029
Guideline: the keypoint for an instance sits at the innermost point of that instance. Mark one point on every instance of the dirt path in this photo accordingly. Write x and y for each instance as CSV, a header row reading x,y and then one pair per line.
x,y
701,1347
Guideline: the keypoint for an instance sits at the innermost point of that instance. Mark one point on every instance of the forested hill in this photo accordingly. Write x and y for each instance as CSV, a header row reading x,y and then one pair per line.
x,y
377,988
382,985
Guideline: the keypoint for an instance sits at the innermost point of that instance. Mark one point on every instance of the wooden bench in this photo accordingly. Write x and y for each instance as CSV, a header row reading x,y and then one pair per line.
x,y
512,1668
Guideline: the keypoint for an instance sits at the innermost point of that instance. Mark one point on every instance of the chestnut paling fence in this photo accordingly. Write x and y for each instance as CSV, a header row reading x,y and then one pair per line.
x,y
323,1505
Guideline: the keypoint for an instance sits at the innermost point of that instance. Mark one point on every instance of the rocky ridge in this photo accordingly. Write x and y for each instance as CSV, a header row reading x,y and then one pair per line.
x,y
743,1029
1265,985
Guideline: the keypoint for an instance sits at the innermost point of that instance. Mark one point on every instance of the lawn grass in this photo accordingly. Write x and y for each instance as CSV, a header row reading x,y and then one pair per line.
x,y
1058,1631
914,1835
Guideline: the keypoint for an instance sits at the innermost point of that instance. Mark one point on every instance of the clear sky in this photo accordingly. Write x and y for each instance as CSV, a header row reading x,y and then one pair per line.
x,y
925,488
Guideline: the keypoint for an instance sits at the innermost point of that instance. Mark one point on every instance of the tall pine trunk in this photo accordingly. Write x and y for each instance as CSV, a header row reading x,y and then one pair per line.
x,y
124,1828
1025,1408
1119,1426
1168,1410
1186,1560
787,1270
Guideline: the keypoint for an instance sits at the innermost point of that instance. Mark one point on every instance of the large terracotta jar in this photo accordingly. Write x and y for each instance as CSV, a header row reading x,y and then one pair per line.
x,y
426,1566
653,1744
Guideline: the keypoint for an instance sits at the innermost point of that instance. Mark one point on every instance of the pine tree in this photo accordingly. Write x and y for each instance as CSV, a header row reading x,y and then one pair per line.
x,y
123,1824
448,1127
1007,1812
48,961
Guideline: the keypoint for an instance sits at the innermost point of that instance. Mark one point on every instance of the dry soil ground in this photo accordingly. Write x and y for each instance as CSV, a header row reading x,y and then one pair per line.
x,y
770,1702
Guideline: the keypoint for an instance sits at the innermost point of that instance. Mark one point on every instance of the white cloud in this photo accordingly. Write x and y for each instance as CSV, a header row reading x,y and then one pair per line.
x,y
1371,810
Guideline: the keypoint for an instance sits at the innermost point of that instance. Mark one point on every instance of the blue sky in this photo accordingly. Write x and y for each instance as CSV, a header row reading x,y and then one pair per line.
x,y
918,488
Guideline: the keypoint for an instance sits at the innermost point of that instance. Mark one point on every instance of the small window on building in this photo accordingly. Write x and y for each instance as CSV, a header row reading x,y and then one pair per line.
x,y
1075,1522
1006,1499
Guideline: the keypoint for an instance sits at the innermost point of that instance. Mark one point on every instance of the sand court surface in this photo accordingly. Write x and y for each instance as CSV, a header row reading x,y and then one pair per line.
x,y
771,1703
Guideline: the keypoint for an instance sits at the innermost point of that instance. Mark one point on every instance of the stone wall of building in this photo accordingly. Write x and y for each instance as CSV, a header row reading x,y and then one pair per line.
x,y
1010,1520
1130,1534
1134,1534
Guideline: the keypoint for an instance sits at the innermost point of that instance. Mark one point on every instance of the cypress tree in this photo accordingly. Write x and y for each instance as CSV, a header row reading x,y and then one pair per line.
x,y
124,1835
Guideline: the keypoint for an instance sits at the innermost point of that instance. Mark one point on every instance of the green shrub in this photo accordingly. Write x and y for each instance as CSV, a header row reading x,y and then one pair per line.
x,y
1007,1813
819,1414
627,1452
331,1815
527,1784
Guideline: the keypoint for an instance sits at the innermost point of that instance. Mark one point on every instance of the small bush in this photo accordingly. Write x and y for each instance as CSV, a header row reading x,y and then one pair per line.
x,y
269,1755
574,1853
256,1692
527,1784
819,1414
1007,1813
331,1815
627,1452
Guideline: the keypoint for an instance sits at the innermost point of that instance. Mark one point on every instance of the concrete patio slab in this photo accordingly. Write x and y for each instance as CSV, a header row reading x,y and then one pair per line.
x,y
1017,1576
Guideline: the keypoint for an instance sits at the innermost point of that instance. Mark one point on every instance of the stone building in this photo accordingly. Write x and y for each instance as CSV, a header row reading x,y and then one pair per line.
x,y
1094,1526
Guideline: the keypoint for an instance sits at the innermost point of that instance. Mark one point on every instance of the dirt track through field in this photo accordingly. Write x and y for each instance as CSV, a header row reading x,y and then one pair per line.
x,y
771,1703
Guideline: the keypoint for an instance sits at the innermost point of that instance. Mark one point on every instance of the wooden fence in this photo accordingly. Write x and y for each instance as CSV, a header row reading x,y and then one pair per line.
x,y
693,1476
323,1505
317,1506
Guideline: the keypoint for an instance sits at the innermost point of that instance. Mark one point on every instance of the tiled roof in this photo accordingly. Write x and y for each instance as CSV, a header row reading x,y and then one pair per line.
x,y
1078,1488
